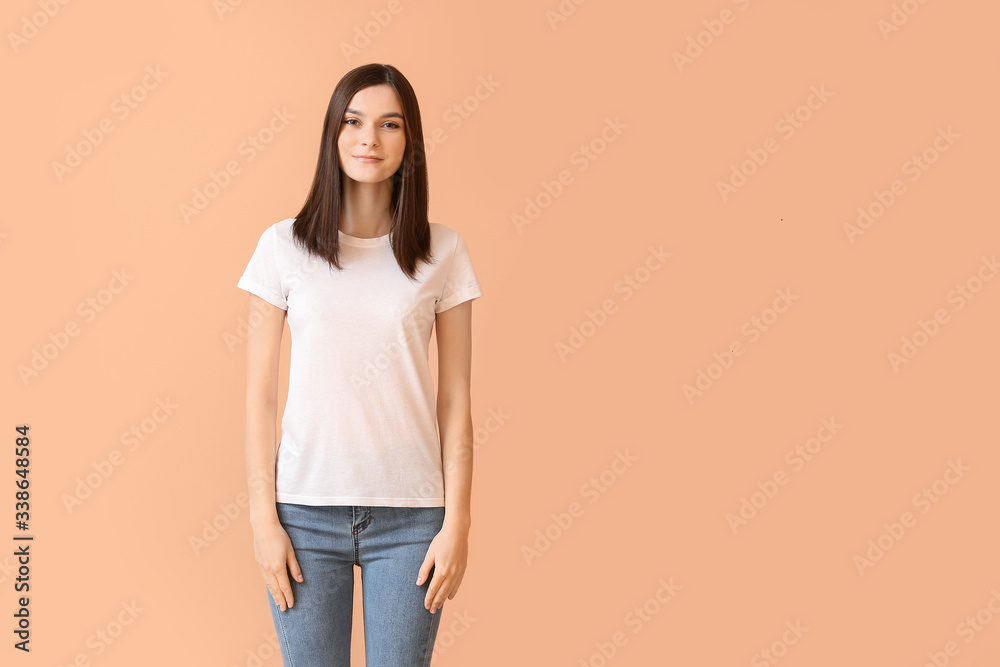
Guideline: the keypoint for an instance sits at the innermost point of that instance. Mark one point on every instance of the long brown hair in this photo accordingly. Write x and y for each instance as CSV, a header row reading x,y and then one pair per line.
x,y
317,224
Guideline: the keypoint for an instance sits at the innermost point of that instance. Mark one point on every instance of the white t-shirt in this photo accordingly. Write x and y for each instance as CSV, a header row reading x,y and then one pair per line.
x,y
360,422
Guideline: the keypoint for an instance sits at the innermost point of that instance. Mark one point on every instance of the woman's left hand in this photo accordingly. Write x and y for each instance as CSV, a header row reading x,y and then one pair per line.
x,y
448,553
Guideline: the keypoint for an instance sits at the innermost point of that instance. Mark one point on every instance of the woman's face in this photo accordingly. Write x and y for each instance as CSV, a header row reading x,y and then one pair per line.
x,y
372,125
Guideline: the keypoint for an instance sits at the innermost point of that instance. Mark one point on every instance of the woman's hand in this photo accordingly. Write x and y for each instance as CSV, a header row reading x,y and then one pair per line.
x,y
275,556
448,553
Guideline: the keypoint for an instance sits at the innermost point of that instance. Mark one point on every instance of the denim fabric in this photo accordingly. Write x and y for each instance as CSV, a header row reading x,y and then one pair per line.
x,y
388,544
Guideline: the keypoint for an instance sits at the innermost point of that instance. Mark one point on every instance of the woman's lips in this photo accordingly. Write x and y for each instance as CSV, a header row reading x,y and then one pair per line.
x,y
367,158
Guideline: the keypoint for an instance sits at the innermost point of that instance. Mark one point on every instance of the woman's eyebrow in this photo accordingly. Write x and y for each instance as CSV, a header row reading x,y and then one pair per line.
x,y
391,114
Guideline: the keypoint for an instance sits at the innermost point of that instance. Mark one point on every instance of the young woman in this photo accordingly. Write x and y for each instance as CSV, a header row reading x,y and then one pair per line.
x,y
362,475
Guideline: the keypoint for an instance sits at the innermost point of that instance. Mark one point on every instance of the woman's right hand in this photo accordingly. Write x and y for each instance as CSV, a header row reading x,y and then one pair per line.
x,y
275,557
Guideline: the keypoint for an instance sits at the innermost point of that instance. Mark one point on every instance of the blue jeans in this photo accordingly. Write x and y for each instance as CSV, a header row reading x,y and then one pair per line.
x,y
389,544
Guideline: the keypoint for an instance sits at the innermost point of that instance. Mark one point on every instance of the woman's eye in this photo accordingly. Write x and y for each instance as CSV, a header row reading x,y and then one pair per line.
x,y
393,126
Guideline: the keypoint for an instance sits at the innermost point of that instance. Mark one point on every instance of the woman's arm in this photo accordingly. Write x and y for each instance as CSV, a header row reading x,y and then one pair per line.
x,y
454,410
263,352
448,552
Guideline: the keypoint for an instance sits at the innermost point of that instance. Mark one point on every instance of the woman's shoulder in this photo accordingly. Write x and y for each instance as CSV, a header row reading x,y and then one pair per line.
x,y
438,229
282,235
283,228
444,239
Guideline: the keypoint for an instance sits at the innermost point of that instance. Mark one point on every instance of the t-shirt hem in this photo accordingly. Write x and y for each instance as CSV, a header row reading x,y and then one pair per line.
x,y
461,296
368,501
262,292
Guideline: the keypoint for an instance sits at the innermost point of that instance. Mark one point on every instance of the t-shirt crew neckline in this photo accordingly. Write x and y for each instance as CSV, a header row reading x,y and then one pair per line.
x,y
363,242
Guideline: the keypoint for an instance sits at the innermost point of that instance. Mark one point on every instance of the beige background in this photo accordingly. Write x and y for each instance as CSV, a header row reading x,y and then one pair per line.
x,y
172,331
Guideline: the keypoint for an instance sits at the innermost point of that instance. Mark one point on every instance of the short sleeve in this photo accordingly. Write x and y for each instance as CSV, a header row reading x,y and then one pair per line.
x,y
461,283
263,275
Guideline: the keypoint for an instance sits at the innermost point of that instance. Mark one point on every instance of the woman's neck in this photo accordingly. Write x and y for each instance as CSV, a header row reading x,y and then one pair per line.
x,y
364,210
